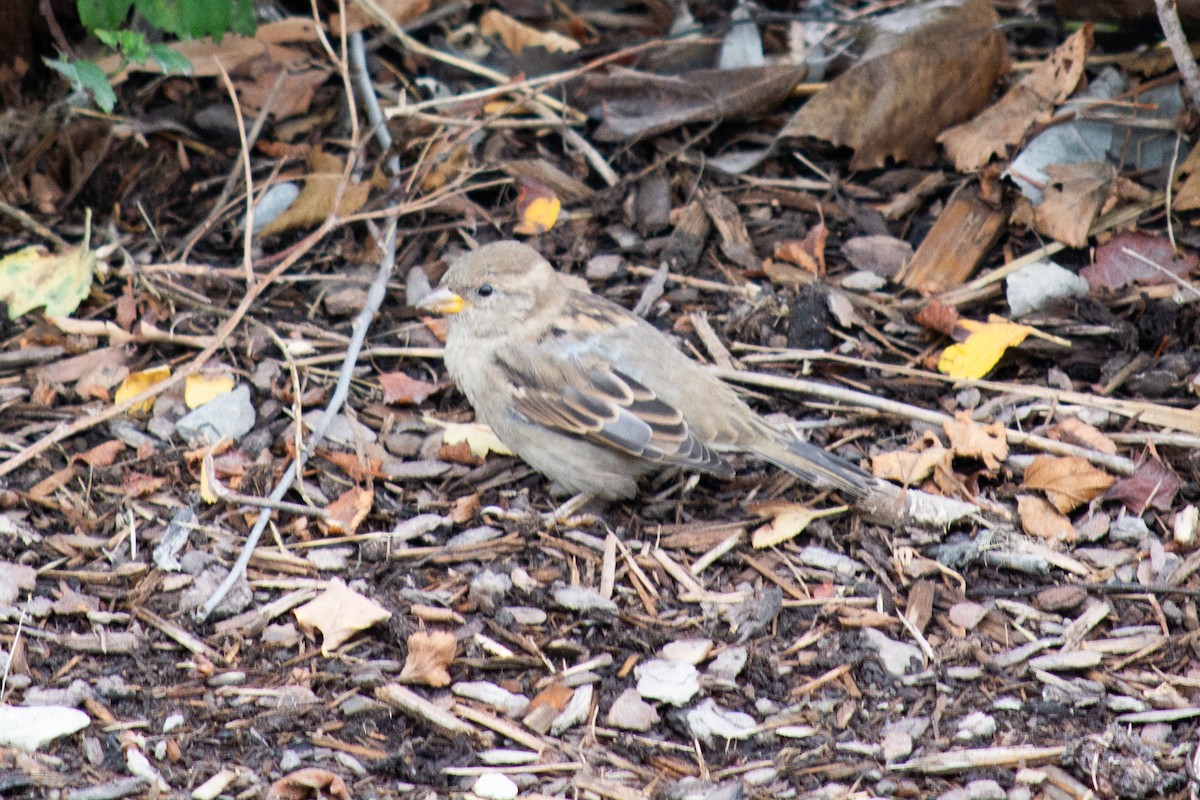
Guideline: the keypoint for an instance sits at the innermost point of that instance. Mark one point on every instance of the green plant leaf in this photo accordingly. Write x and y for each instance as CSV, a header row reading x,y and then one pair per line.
x,y
103,14
131,44
86,76
170,61
195,18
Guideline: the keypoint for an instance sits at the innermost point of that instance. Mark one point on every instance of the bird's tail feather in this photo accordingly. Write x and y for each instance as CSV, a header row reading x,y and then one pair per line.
x,y
813,465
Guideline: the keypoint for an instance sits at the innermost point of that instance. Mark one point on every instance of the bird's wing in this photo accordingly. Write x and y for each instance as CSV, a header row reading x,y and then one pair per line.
x,y
565,382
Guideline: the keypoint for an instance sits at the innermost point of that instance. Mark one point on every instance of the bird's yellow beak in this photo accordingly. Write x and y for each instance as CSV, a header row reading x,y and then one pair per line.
x,y
442,301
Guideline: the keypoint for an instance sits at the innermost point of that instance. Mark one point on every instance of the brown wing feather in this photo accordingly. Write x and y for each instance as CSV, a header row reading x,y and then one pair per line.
x,y
615,410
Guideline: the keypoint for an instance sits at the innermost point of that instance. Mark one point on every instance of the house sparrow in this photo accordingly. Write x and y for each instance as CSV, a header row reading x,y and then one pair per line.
x,y
591,395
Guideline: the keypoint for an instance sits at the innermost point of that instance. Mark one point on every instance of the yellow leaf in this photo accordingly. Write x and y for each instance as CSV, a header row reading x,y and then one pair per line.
x,y
204,386
31,278
516,36
139,382
479,437
988,341
537,207
206,482
788,520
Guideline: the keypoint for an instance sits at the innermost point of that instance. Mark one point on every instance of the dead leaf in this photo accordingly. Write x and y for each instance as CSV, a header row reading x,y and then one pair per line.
x,y
205,385
315,202
139,382
429,657
34,278
1075,431
788,520
1068,481
1130,257
399,388
1187,195
310,783
537,208
516,35
1072,199
635,104
1153,485
1040,518
346,513
910,467
478,436
969,439
985,344
928,67
102,455
338,613
1032,100
358,19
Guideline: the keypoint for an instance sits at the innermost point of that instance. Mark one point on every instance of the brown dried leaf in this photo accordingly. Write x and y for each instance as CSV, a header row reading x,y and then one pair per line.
x,y
338,613
937,316
1153,485
429,657
911,466
1040,518
347,512
357,19
635,104
910,86
401,389
516,35
102,455
1075,431
972,144
1068,481
1073,197
315,201
1124,258
310,783
972,440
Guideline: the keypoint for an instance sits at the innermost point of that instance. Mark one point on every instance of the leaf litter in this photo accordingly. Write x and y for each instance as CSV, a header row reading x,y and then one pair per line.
x,y
425,614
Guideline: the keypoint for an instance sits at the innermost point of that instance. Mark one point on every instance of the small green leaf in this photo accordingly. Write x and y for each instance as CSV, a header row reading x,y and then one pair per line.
x,y
103,14
171,62
86,76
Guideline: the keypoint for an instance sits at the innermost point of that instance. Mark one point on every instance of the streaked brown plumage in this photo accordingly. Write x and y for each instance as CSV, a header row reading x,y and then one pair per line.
x,y
591,395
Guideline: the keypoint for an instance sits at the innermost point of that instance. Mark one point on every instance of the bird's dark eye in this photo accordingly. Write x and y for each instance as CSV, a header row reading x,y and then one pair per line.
x,y
486,290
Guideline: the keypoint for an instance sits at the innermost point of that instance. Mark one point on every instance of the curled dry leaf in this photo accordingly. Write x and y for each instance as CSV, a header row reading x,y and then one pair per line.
x,y
429,657
926,68
1040,518
516,35
972,144
914,465
788,520
1068,482
972,440
309,784
315,202
345,514
338,613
